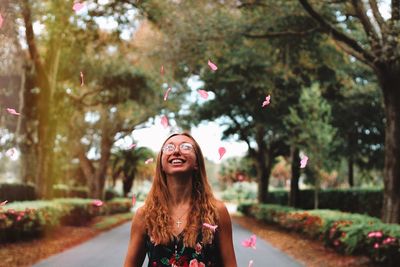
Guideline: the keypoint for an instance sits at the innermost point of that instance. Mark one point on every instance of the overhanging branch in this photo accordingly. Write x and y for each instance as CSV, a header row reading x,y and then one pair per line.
x,y
336,34
282,34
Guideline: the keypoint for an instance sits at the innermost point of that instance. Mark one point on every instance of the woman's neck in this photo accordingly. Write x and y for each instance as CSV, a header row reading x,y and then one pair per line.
x,y
180,191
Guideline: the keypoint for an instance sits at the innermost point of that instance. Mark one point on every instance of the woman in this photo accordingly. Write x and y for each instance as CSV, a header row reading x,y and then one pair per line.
x,y
176,225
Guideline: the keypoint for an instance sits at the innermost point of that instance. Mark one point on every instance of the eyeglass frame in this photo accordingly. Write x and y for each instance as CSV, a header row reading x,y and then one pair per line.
x,y
165,151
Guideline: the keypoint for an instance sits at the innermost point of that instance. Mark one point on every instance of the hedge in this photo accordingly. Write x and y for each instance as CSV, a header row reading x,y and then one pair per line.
x,y
357,200
17,192
345,232
28,219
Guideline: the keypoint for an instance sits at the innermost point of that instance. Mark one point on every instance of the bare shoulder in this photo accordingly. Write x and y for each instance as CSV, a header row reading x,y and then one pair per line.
x,y
138,220
222,212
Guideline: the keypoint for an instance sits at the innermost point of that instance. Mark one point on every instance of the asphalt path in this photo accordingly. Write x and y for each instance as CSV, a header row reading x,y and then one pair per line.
x,y
109,249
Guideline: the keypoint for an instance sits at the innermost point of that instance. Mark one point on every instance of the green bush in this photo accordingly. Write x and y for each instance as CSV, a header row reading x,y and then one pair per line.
x,y
17,192
28,219
345,232
64,191
355,200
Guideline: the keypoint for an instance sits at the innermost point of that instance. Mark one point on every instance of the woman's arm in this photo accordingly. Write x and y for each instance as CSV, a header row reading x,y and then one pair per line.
x,y
136,249
225,236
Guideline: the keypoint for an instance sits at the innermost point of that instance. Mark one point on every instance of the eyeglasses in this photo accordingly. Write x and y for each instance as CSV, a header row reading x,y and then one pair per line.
x,y
184,148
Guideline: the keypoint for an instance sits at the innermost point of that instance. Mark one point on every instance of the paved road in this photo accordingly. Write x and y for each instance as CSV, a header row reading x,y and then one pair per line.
x,y
109,248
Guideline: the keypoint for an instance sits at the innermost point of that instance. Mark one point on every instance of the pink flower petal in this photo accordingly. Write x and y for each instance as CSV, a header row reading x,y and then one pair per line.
x,y
212,227
221,152
267,101
11,152
162,70
303,161
97,203
77,6
82,82
1,21
203,93
133,200
166,93
150,160
212,65
3,203
13,112
250,243
164,121
251,263
131,146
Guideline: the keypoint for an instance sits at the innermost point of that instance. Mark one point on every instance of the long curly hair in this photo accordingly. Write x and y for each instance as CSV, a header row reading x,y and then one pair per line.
x,y
203,205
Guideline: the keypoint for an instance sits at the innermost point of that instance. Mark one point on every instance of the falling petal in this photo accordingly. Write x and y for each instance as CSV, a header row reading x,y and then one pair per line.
x,y
212,65
11,152
150,160
212,227
164,121
162,70
203,93
166,93
221,152
251,263
266,101
78,6
133,200
250,243
1,21
13,112
3,203
303,161
97,203
82,82
131,146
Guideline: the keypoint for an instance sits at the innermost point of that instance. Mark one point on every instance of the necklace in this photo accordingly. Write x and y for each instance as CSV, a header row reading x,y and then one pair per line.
x,y
179,222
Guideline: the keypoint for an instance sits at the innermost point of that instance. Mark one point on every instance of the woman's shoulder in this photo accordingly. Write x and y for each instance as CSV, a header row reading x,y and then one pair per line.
x,y
138,220
222,211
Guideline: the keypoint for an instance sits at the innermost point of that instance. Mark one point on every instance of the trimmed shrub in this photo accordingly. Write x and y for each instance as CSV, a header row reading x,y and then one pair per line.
x,y
17,192
29,219
345,232
355,200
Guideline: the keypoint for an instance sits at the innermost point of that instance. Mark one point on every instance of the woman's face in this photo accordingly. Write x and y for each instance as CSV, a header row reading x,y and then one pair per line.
x,y
179,156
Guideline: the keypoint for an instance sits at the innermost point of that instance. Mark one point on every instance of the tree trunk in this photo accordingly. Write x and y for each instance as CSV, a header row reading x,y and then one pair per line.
x,y
264,167
390,80
350,166
294,181
26,130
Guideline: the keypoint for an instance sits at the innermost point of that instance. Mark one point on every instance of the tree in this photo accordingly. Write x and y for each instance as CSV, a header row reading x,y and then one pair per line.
x,y
312,130
126,163
376,44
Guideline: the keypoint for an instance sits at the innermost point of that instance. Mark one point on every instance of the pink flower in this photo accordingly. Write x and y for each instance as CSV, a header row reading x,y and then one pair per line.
x,y
376,245
97,203
377,234
198,248
389,240
195,263
336,243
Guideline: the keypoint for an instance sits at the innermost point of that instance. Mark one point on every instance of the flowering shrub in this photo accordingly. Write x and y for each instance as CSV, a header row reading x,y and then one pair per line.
x,y
345,232
28,219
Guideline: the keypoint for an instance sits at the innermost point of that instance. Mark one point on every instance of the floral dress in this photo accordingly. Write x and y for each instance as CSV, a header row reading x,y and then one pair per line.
x,y
175,254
